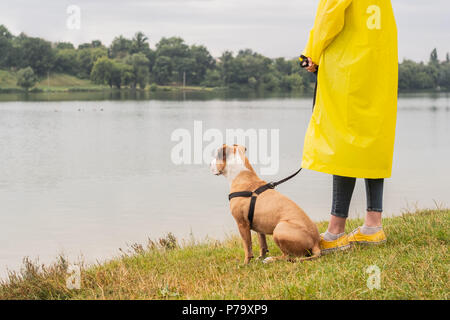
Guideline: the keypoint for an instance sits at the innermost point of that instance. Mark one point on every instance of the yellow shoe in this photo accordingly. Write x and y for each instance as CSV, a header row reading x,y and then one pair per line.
x,y
357,237
341,244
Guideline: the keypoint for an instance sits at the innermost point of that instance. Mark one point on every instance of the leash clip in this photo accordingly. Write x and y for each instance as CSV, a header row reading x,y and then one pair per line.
x,y
271,185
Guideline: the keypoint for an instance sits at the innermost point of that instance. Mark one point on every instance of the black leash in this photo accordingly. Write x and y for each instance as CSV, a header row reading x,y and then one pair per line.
x,y
271,185
304,63
254,194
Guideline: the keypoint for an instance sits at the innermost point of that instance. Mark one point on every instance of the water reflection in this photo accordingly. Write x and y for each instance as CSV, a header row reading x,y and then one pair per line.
x,y
160,94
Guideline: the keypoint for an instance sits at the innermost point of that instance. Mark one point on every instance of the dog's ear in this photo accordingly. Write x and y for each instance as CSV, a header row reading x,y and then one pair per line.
x,y
222,152
221,159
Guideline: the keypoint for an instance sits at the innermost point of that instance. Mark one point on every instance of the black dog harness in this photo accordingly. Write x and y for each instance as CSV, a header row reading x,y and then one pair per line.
x,y
254,194
271,185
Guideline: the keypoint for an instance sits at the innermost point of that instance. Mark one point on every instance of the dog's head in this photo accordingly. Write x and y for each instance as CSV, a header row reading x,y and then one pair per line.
x,y
229,158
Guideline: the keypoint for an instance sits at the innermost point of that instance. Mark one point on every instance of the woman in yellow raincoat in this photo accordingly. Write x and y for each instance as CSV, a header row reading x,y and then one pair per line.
x,y
352,129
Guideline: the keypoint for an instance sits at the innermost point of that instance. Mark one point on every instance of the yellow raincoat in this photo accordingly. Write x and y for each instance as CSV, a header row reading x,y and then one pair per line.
x,y
352,129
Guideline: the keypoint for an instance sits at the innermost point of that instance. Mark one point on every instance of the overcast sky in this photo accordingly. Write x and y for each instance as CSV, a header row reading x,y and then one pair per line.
x,y
275,28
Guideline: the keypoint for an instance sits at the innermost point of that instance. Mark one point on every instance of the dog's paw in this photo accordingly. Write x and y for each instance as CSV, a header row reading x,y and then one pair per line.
x,y
268,260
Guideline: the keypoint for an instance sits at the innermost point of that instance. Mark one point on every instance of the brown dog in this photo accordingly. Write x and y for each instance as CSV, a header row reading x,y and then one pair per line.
x,y
293,232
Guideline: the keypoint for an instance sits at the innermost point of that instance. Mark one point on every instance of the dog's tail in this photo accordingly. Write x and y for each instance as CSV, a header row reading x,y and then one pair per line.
x,y
315,254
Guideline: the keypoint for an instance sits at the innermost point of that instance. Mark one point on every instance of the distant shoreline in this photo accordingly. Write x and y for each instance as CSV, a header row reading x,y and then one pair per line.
x,y
65,83
103,89
166,88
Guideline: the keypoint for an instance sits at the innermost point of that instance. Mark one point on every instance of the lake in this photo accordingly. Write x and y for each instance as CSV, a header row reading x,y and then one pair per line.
x,y
89,176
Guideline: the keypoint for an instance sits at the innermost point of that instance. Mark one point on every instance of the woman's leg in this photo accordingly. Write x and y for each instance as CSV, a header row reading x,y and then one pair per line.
x,y
372,231
342,195
374,193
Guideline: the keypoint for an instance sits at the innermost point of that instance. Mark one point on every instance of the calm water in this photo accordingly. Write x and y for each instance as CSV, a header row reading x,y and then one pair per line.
x,y
89,177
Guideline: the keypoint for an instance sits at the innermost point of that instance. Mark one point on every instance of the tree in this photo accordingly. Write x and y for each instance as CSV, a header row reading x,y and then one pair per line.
x,y
139,67
444,75
66,61
253,83
226,67
35,53
413,76
434,57
6,47
245,66
405,74
252,64
103,71
116,73
64,45
283,66
96,44
127,75
91,45
202,62
293,82
86,59
151,56
4,32
270,82
26,78
162,70
175,53
110,72
85,62
433,68
84,46
212,78
139,43
120,47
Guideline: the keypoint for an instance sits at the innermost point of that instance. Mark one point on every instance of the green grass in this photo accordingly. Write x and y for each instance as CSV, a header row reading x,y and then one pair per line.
x,y
58,82
8,79
186,88
65,82
414,264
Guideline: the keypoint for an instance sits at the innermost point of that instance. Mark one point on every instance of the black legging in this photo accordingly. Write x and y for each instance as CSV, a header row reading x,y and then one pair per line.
x,y
342,195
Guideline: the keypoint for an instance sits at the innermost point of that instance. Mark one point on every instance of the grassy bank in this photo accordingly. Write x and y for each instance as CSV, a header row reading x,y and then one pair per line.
x,y
55,82
414,264
58,82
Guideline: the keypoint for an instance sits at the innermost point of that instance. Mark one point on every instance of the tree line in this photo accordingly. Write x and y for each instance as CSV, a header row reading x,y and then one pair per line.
x,y
132,63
